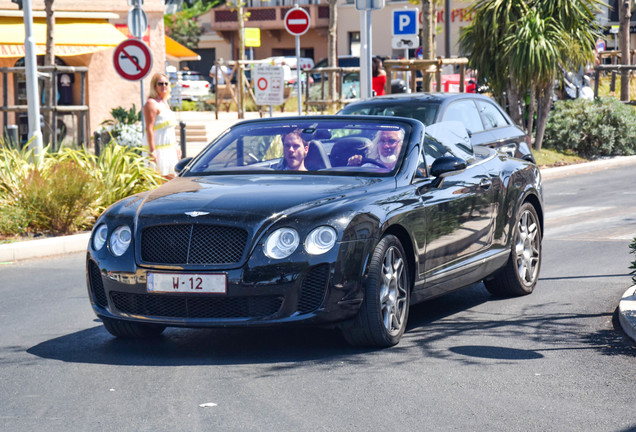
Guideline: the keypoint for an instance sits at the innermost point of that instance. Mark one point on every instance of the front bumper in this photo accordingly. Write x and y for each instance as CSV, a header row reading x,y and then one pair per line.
x,y
312,292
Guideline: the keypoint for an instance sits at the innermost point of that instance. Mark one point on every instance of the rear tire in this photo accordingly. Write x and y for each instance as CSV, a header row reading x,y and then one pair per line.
x,y
521,272
131,330
383,314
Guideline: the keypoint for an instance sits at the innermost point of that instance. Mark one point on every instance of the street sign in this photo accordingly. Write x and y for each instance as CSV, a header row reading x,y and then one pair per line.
x,y
297,21
252,37
137,22
269,85
600,45
404,22
369,4
405,41
132,59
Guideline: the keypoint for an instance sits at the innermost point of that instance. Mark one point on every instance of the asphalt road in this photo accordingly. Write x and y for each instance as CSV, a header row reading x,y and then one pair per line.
x,y
552,361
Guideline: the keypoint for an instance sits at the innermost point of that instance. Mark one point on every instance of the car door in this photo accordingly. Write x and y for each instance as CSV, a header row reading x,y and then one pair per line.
x,y
458,211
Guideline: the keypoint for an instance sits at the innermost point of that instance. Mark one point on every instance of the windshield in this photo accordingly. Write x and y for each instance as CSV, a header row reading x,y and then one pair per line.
x,y
306,146
424,112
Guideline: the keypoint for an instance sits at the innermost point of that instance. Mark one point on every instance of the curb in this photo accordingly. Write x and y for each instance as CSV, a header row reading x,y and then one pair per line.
x,y
627,312
18,251
587,167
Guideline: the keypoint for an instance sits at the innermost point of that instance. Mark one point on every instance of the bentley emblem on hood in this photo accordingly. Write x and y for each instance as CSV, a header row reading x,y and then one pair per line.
x,y
196,213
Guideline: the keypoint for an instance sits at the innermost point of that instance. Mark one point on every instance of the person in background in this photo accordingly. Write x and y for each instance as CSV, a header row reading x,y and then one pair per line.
x,y
378,79
160,140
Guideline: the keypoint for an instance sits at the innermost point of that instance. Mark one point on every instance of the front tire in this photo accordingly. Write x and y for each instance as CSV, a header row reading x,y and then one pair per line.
x,y
383,314
131,330
521,272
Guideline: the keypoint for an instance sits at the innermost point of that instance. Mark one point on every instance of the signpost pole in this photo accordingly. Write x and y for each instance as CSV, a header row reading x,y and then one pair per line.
x,y
297,23
298,83
31,68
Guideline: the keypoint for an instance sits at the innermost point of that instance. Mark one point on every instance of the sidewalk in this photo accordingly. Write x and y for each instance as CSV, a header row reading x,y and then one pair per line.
x,y
12,252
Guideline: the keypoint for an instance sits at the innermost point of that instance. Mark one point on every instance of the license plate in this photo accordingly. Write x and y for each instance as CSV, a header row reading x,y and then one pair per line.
x,y
186,283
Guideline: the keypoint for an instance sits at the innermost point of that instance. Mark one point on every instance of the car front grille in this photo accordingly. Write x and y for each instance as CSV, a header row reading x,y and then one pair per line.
x,y
97,285
192,244
174,306
313,288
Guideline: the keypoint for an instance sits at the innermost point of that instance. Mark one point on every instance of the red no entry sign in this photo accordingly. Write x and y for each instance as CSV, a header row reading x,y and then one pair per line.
x,y
132,59
297,21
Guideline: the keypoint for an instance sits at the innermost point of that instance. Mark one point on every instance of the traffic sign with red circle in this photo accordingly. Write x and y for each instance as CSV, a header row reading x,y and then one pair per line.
x,y
297,21
132,59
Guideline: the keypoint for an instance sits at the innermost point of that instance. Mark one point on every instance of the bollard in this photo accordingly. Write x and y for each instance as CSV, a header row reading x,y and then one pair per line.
x,y
11,136
182,135
97,139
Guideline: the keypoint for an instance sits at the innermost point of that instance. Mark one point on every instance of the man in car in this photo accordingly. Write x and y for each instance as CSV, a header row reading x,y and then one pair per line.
x,y
388,144
295,150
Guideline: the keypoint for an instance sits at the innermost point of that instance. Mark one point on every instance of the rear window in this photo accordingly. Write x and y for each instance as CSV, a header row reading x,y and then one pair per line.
x,y
424,112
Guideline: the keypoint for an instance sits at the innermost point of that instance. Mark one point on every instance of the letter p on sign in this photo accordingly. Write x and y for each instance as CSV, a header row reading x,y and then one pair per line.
x,y
405,22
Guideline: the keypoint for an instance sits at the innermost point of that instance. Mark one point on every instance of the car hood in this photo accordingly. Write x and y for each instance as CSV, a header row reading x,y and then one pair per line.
x,y
249,199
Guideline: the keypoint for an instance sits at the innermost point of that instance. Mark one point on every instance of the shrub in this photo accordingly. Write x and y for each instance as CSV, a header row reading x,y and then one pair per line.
x,y
14,219
605,127
64,191
59,200
125,127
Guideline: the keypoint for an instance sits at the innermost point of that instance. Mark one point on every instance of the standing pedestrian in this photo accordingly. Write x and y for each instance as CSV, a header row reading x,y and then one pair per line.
x,y
160,140
378,79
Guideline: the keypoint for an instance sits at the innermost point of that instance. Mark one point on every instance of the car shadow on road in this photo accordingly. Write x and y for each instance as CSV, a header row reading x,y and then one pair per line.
x,y
431,324
234,345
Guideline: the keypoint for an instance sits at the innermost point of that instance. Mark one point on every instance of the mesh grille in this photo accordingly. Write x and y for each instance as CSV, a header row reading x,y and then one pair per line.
x,y
97,285
196,306
192,244
313,289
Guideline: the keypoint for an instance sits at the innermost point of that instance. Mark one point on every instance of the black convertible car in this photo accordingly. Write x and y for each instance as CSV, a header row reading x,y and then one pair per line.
x,y
352,239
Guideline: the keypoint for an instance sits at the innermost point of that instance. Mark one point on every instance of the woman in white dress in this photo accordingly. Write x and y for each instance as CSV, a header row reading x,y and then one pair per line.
x,y
160,140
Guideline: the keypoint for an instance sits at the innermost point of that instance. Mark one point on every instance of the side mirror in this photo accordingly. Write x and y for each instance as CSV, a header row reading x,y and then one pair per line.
x,y
447,165
182,164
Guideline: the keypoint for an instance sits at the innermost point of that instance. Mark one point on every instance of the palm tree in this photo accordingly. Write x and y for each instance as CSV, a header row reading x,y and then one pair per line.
x,y
520,46
534,58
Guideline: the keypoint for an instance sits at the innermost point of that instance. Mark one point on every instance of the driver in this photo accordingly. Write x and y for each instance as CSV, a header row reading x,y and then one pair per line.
x,y
388,144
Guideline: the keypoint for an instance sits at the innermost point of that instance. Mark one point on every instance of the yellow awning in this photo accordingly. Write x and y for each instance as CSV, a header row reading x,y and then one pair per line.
x,y
177,52
72,36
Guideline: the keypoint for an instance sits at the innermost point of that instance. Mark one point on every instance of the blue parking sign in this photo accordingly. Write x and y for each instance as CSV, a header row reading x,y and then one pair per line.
x,y
405,22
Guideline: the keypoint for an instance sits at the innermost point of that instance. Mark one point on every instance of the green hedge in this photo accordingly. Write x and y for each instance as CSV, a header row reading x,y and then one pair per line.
x,y
605,127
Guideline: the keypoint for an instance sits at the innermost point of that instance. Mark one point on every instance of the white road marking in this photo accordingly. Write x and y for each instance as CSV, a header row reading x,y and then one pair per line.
x,y
571,211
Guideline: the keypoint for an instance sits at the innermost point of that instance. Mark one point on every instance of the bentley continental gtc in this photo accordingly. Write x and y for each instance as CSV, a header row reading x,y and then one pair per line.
x,y
339,221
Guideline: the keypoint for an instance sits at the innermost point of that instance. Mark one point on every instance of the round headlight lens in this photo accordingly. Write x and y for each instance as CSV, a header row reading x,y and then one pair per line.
x,y
281,243
320,240
99,237
120,240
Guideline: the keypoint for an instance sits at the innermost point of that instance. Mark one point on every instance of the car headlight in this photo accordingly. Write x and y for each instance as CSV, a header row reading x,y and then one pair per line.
x,y
281,243
320,240
120,240
99,237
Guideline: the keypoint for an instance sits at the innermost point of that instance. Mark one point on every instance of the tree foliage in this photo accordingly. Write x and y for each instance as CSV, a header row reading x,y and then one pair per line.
x,y
519,47
183,26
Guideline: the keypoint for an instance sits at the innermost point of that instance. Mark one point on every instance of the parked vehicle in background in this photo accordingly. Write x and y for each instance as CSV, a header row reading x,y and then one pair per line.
x,y
486,122
188,85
